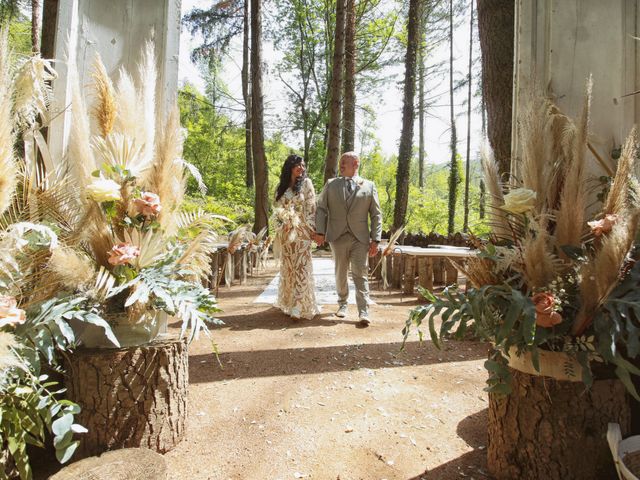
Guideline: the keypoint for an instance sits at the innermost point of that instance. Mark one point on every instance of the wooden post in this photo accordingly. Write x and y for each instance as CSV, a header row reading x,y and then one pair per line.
x,y
130,397
396,277
438,271
237,264
425,274
451,272
409,274
215,273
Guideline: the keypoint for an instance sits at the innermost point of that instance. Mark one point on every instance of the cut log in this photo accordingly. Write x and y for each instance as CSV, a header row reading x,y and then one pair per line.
x,y
125,464
130,397
554,429
438,270
409,279
451,272
425,274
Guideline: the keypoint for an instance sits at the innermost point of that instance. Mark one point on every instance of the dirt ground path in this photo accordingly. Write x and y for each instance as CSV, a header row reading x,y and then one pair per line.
x,y
324,399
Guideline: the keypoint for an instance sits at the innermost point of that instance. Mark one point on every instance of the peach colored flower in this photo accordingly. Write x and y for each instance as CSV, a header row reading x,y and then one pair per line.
x,y
604,225
10,315
148,204
545,315
123,253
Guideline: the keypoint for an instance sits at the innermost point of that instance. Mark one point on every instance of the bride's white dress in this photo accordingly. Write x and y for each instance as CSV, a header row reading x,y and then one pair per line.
x,y
294,219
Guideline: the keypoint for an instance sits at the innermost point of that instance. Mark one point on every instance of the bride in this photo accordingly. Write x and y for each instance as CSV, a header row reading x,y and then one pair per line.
x,y
294,219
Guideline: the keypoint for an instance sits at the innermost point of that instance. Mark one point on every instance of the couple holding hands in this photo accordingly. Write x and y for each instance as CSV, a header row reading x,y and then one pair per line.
x,y
346,214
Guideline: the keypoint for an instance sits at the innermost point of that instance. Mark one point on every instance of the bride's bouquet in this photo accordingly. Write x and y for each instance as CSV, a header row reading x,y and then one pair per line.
x,y
287,221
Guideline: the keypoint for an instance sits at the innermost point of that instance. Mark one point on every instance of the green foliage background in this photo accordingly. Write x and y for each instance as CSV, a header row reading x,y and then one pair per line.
x,y
215,144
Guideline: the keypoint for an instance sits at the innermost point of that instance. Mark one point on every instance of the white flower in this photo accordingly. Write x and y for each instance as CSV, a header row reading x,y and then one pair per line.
x,y
519,200
8,357
104,190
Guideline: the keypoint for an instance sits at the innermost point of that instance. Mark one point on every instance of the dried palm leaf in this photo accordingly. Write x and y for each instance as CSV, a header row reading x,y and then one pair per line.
x,y
237,237
152,244
33,91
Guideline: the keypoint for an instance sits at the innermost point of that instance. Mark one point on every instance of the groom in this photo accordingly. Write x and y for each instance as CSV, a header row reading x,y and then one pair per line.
x,y
344,208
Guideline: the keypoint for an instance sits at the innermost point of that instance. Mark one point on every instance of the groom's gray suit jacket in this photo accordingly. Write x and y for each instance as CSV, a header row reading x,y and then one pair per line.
x,y
338,212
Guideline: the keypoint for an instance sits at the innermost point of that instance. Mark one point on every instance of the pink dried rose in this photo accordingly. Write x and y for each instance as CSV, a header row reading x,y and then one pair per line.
x,y
148,204
123,253
604,225
545,314
10,315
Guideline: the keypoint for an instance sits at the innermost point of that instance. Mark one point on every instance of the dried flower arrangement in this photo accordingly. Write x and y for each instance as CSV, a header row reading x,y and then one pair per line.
x,y
558,272
30,403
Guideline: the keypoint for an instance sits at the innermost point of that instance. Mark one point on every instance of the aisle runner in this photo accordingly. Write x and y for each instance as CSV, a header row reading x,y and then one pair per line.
x,y
325,285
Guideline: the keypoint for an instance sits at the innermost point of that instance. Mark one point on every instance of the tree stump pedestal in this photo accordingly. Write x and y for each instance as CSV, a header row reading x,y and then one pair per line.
x,y
554,429
130,397
128,463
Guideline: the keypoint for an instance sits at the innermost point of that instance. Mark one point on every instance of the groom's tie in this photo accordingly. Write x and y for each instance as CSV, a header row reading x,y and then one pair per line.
x,y
349,186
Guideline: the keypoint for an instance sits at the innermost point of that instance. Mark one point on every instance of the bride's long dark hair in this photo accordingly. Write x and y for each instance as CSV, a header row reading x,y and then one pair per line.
x,y
285,176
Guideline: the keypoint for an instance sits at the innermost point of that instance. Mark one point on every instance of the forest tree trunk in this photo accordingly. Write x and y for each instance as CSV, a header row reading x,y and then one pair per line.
x,y
349,107
261,207
406,136
554,429
465,225
454,176
36,25
246,96
496,27
335,110
130,397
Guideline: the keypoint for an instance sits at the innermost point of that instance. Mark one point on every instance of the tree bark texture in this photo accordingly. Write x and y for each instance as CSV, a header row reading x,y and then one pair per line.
x,y
261,207
36,25
496,28
421,112
130,397
246,96
406,136
454,176
465,226
49,20
333,141
349,107
554,429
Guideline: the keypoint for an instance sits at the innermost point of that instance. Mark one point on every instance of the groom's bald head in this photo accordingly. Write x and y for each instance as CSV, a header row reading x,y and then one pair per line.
x,y
349,163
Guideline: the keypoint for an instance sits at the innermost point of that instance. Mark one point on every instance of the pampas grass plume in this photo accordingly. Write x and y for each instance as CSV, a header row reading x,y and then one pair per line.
x,y
70,268
105,109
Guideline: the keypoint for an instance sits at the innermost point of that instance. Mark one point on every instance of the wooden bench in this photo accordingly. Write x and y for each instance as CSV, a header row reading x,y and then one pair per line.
x,y
429,265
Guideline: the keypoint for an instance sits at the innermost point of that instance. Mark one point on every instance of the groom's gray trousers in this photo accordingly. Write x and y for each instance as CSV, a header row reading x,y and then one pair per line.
x,y
347,249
